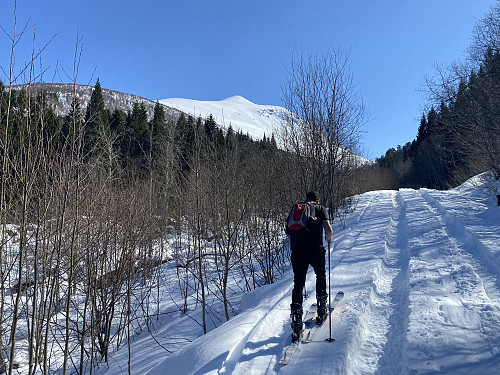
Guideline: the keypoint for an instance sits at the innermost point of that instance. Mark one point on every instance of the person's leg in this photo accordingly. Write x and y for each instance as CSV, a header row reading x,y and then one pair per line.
x,y
299,266
318,263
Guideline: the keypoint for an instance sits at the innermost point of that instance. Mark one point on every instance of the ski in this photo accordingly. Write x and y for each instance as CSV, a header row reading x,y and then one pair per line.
x,y
310,331
314,330
290,349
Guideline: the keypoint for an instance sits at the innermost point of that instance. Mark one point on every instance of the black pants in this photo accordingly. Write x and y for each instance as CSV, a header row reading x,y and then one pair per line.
x,y
302,257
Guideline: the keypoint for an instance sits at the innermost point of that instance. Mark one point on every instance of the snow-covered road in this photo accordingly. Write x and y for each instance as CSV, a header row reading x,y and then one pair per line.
x,y
420,271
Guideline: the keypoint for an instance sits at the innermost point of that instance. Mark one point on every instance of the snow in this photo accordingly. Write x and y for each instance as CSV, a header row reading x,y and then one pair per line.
x,y
252,119
421,274
420,270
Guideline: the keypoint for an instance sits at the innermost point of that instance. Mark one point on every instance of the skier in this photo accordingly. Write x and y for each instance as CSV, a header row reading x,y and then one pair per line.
x,y
310,251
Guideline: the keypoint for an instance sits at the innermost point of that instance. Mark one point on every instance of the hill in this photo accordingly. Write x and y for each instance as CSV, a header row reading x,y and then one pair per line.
x,y
243,115
252,119
61,96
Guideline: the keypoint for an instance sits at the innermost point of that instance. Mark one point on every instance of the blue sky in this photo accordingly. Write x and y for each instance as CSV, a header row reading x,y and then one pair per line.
x,y
213,50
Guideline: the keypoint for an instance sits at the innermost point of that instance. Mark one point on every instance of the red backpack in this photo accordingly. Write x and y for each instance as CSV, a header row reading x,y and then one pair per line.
x,y
301,220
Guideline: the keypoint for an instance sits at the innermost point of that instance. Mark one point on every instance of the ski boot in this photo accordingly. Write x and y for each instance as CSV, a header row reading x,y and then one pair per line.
x,y
322,309
296,315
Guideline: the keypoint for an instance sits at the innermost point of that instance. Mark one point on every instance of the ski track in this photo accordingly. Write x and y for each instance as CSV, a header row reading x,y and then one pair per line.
x,y
446,290
397,258
371,324
424,297
418,270
257,348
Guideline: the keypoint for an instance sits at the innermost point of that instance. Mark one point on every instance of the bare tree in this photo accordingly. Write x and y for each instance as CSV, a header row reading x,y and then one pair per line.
x,y
466,138
486,35
230,208
196,203
323,124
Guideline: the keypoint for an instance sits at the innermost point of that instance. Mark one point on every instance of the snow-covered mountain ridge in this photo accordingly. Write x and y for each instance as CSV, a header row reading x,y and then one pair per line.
x,y
243,115
255,120
61,95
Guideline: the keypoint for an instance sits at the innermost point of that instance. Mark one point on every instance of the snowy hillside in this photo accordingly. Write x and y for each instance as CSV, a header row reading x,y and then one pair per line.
x,y
61,96
421,274
240,113
252,119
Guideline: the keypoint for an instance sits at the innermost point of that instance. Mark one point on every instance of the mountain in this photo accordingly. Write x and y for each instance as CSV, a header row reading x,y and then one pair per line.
x,y
241,114
252,119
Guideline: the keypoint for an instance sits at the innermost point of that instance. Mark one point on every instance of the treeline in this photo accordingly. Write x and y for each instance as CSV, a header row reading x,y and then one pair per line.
x,y
456,141
460,136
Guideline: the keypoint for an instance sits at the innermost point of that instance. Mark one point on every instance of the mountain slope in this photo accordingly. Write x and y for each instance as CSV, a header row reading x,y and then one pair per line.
x,y
61,96
243,115
238,112
420,271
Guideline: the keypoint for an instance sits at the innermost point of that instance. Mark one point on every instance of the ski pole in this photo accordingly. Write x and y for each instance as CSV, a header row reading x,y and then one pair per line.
x,y
329,295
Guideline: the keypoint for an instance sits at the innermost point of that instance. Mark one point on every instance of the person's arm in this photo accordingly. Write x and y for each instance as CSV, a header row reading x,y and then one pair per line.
x,y
328,230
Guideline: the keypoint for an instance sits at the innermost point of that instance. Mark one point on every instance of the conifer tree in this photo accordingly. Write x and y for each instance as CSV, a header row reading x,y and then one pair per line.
x,y
230,137
74,117
210,128
95,108
96,119
137,131
157,126
117,122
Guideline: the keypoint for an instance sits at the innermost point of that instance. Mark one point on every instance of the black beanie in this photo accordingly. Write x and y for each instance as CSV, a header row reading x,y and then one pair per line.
x,y
312,196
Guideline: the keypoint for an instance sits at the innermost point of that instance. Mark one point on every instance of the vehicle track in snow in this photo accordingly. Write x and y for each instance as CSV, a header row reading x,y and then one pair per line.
x,y
471,242
448,288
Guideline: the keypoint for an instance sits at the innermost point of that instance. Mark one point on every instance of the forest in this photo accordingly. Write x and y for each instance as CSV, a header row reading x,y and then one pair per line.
x,y
459,136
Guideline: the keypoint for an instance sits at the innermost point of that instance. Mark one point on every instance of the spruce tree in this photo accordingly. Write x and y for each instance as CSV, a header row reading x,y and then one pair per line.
x,y
95,108
210,128
137,131
96,119
157,126
73,121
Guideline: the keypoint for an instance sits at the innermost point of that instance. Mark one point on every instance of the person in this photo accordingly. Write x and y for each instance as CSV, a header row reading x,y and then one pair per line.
x,y
310,251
